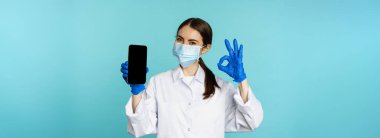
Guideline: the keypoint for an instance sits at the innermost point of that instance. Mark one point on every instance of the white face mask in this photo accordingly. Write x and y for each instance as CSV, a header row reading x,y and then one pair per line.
x,y
186,54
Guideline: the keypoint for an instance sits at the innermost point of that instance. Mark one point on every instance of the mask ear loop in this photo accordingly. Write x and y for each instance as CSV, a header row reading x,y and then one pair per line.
x,y
203,46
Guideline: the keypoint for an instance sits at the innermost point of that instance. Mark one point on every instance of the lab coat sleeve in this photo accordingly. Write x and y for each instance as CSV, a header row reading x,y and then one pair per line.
x,y
144,120
241,116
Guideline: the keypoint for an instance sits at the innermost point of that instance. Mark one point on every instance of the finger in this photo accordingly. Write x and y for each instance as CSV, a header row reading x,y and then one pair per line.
x,y
147,70
220,66
241,51
124,66
228,46
125,71
225,57
125,75
235,47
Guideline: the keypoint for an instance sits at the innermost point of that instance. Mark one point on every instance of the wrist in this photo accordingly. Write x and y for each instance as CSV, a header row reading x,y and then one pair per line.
x,y
243,87
137,88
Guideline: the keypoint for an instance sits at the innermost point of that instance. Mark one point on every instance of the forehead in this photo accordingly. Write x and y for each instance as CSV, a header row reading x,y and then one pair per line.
x,y
189,33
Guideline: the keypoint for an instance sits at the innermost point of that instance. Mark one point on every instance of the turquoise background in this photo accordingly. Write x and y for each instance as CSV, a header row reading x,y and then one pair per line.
x,y
313,64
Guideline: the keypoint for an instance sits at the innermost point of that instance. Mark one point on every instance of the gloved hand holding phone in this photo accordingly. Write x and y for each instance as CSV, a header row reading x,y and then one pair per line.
x,y
135,88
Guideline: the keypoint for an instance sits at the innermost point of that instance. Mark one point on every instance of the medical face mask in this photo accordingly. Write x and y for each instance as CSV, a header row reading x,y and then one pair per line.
x,y
186,54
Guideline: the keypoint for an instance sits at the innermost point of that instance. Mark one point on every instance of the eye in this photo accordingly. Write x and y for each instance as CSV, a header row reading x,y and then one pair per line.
x,y
192,43
179,40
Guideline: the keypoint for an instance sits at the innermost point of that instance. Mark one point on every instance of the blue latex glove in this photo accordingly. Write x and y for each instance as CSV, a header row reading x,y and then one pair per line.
x,y
135,88
234,68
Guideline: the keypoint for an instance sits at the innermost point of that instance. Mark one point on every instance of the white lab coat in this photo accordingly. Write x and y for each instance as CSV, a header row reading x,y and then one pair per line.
x,y
173,109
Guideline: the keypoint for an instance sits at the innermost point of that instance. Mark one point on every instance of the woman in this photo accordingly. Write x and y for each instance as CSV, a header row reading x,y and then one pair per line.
x,y
190,101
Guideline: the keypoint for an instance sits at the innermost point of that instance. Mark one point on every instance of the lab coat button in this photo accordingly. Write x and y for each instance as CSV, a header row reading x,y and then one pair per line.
x,y
188,129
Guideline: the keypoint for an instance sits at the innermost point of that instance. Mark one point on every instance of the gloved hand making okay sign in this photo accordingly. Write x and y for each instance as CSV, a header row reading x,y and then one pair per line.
x,y
234,68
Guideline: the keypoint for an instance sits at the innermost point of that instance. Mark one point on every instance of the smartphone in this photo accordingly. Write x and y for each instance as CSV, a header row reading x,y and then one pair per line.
x,y
137,55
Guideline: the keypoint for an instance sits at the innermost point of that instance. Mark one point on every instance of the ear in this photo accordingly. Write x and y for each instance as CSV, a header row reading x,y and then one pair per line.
x,y
205,49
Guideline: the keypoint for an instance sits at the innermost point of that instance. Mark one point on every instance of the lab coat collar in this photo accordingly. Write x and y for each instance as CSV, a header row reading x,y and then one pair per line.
x,y
199,75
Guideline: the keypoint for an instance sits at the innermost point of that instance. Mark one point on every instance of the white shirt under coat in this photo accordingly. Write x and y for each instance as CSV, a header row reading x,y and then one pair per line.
x,y
172,106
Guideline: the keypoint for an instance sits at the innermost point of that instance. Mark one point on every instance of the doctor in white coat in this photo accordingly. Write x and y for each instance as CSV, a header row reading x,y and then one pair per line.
x,y
190,101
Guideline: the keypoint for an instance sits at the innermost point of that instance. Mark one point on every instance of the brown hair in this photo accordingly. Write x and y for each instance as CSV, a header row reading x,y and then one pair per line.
x,y
206,32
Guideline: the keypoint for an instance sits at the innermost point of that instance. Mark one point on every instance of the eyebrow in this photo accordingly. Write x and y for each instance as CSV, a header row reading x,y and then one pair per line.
x,y
180,36
193,40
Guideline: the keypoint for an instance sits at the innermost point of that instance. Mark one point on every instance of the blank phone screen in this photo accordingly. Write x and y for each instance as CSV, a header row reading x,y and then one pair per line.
x,y
137,55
